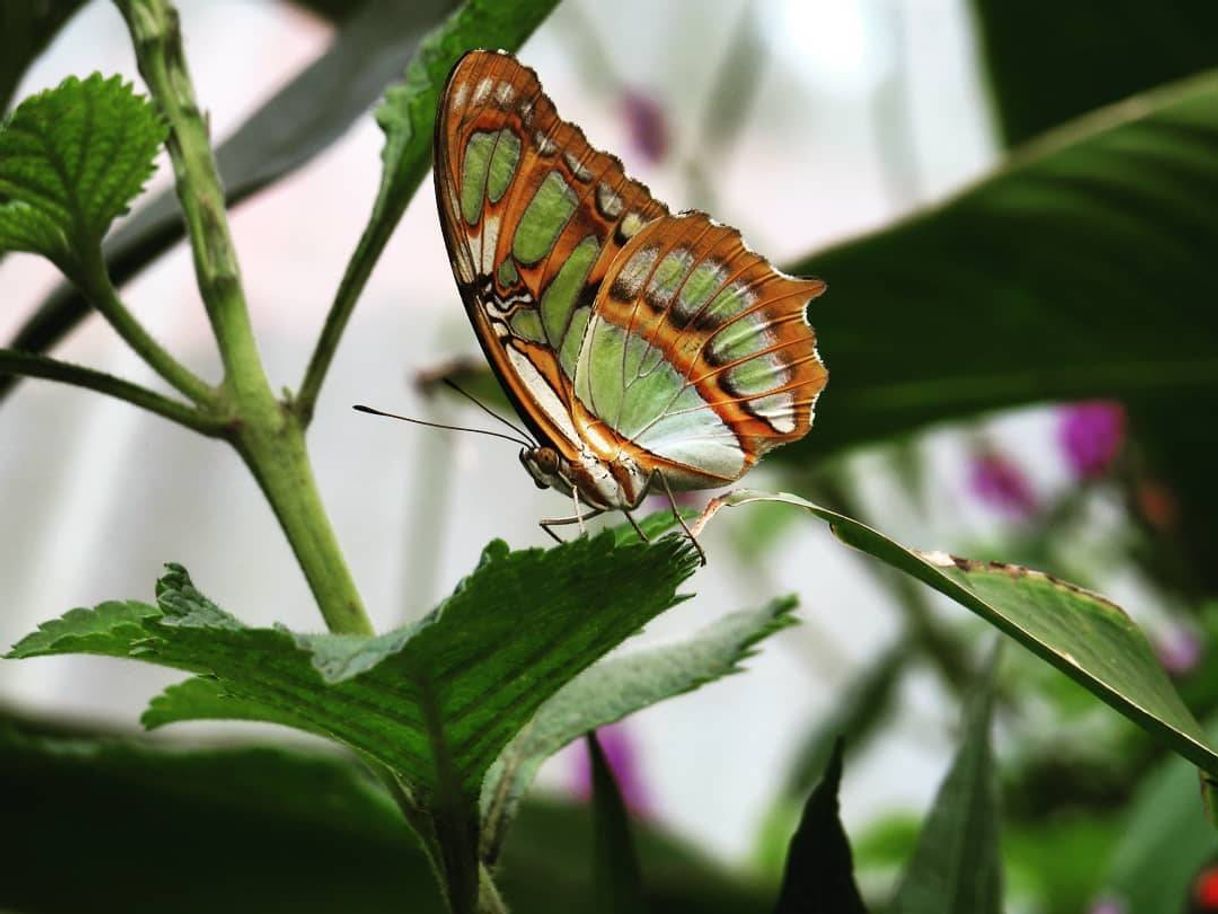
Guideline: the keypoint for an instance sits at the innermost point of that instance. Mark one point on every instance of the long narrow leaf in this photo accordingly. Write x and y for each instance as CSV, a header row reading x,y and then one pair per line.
x,y
617,880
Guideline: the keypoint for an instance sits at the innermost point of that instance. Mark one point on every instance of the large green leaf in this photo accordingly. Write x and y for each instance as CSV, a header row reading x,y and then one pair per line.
x,y
71,160
144,827
1048,62
25,30
820,868
614,689
434,702
1080,268
1084,635
956,867
317,107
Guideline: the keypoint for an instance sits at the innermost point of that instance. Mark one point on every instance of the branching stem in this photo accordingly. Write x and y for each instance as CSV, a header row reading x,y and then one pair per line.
x,y
30,365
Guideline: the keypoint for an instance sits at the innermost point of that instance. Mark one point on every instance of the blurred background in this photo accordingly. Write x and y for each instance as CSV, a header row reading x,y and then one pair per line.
x,y
802,122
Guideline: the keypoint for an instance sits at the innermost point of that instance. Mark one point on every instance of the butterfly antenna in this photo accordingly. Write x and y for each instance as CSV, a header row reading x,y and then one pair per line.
x,y
450,383
452,428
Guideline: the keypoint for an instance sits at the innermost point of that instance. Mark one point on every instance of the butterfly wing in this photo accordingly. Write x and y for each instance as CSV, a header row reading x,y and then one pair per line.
x,y
698,357
532,216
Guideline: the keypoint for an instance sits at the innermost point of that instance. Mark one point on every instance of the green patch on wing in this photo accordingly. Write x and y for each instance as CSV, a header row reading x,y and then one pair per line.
x,y
561,295
544,218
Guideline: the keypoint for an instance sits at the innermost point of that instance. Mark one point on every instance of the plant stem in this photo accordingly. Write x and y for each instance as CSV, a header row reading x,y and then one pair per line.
x,y
271,442
96,286
266,433
36,366
489,899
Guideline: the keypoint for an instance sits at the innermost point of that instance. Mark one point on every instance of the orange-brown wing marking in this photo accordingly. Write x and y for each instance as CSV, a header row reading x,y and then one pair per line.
x,y
533,216
700,353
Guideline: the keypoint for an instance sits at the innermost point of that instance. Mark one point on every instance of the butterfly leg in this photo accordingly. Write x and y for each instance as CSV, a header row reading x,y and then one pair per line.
x,y
676,512
548,522
637,529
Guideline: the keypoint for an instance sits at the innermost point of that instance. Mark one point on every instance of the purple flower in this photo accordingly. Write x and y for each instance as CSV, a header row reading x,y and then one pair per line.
x,y
1108,906
1179,650
646,125
622,754
1001,484
1091,435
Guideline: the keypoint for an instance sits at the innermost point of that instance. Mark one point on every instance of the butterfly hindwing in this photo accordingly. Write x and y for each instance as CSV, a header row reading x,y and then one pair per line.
x,y
699,352
533,216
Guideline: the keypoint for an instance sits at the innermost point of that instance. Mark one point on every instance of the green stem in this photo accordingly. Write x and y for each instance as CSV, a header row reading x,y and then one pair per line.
x,y
267,434
271,442
489,899
31,365
97,287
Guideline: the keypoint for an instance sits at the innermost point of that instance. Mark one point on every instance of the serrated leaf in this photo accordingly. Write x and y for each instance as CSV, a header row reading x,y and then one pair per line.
x,y
819,872
1084,635
956,866
617,880
616,688
71,160
433,701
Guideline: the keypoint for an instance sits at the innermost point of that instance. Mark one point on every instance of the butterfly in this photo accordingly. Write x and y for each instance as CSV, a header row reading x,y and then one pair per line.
x,y
640,347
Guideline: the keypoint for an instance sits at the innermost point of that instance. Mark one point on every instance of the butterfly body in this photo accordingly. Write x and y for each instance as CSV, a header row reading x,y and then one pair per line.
x,y
636,345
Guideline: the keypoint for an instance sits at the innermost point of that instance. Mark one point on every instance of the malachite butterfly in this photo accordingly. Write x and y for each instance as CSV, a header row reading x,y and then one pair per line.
x,y
637,345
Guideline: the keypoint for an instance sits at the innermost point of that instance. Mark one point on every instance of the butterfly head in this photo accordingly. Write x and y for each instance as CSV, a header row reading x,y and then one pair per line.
x,y
545,466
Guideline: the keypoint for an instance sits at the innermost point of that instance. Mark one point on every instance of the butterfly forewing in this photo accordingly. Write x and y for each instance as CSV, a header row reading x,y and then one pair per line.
x,y
533,216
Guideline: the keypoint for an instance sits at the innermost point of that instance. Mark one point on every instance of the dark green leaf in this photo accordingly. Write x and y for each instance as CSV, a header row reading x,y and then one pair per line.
x,y
616,688
617,882
144,828
820,871
26,28
71,160
1035,283
1084,635
956,867
302,119
1087,53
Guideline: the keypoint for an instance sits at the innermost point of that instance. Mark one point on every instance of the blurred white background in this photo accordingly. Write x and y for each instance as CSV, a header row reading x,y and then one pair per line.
x,y
864,109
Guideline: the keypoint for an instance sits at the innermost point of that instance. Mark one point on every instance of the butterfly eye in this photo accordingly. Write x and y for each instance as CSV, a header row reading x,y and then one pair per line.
x,y
547,460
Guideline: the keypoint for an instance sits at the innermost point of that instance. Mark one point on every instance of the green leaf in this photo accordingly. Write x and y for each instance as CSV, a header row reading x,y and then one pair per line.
x,y
436,701
71,159
820,870
1087,637
1131,45
1165,839
956,867
616,688
145,827
25,30
1034,284
617,881
314,109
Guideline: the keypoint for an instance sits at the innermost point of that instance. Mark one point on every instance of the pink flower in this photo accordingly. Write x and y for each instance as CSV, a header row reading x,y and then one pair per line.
x,y
1108,906
1091,435
646,125
1179,650
622,754
1001,484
